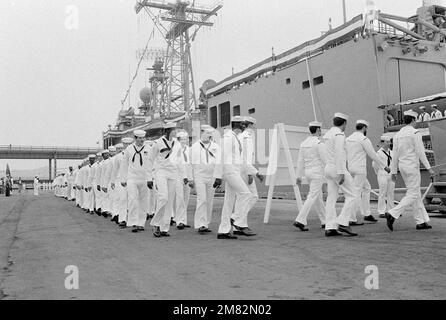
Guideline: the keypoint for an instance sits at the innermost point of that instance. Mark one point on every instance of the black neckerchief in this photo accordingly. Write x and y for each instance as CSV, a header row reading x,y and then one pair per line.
x,y
239,143
389,157
140,155
168,148
208,152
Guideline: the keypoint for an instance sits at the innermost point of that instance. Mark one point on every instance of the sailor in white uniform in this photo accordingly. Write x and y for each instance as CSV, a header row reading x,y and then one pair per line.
x,y
407,153
358,148
166,163
114,184
121,204
204,155
338,178
70,180
94,182
36,185
386,199
230,169
135,177
78,186
89,186
182,192
105,194
311,165
152,192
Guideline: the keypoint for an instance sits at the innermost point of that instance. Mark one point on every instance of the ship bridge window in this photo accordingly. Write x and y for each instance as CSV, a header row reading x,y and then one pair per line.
x,y
306,84
213,117
225,114
318,80
252,111
236,111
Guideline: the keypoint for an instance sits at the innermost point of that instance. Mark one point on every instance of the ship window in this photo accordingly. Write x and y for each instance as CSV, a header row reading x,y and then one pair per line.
x,y
288,81
306,84
225,114
213,117
319,80
236,111
252,111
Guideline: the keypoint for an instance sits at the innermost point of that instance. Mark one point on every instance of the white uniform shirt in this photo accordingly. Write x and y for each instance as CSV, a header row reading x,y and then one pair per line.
x,y
107,168
70,177
386,158
92,176
98,172
135,164
248,154
436,115
87,176
117,160
408,150
231,160
358,147
184,164
423,117
203,159
312,157
166,155
336,150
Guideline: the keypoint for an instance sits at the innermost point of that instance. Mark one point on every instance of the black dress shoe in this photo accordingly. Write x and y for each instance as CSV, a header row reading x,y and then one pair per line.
x,y
300,226
151,216
390,221
92,212
370,219
114,219
165,234
147,218
382,216
99,213
135,230
424,226
355,224
105,214
180,226
332,233
157,232
244,232
140,229
232,222
187,226
347,230
204,230
172,222
226,236
123,225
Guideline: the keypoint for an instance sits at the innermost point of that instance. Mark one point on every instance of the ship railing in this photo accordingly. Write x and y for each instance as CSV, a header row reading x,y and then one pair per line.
x,y
43,148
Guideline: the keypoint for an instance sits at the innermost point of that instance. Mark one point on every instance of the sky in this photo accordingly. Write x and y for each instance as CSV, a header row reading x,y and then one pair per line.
x,y
65,64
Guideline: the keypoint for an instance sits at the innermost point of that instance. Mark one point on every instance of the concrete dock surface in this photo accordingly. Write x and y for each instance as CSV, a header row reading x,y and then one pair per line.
x,y
40,236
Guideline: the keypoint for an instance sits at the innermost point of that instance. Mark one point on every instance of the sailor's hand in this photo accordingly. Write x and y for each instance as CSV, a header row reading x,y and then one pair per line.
x,y
150,185
191,184
105,190
387,169
186,181
260,177
112,186
217,183
432,173
250,179
299,181
342,179
124,184
394,177
98,188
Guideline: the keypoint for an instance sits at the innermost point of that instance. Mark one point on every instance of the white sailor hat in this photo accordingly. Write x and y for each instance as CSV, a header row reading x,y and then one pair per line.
x,y
170,125
182,134
250,120
363,122
99,154
112,149
127,140
119,145
91,156
411,113
316,124
386,138
423,108
341,116
237,119
139,133
105,151
434,106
